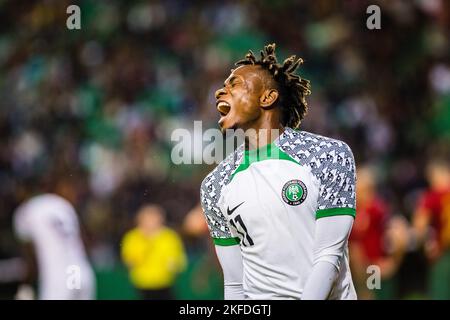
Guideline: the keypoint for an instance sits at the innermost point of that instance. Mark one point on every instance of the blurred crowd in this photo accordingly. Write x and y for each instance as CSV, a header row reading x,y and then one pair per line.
x,y
94,108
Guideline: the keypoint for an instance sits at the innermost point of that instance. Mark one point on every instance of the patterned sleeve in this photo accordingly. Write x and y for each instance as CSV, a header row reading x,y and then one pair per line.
x,y
337,178
217,223
210,192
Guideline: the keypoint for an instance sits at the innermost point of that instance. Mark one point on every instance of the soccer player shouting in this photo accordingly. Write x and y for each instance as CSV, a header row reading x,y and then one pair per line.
x,y
280,207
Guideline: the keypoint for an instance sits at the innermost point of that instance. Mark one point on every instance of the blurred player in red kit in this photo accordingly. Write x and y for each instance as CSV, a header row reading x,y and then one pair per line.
x,y
431,224
377,238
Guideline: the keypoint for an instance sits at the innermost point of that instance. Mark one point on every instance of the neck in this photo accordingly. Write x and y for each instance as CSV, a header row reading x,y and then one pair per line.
x,y
264,131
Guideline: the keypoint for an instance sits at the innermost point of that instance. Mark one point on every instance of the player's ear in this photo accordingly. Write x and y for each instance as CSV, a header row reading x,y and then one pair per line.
x,y
268,98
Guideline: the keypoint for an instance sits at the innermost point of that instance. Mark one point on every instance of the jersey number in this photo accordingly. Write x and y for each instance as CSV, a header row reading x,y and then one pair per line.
x,y
246,239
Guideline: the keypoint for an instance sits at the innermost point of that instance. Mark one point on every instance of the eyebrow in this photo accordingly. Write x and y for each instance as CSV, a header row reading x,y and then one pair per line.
x,y
231,80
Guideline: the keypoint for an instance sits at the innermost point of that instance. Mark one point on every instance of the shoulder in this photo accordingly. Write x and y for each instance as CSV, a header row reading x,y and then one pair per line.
x,y
170,233
307,143
315,150
219,176
33,205
316,139
50,200
131,235
330,151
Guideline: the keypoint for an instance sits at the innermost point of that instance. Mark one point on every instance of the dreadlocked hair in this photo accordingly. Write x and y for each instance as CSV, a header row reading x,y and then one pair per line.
x,y
293,89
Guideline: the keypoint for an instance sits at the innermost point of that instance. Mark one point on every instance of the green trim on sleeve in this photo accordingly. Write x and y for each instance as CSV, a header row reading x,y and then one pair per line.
x,y
335,212
226,241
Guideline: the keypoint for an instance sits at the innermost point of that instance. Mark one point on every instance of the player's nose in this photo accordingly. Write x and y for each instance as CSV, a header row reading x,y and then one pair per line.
x,y
220,93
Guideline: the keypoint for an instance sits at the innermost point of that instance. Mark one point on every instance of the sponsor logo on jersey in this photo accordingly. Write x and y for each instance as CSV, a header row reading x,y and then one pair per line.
x,y
230,212
294,192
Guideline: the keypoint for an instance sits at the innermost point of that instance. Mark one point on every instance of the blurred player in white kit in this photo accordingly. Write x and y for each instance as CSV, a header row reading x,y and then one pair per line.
x,y
49,222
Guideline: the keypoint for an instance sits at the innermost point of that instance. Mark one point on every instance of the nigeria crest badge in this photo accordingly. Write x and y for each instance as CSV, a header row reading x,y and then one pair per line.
x,y
294,192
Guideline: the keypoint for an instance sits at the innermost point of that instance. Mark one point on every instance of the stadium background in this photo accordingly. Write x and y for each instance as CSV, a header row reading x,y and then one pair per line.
x,y
96,107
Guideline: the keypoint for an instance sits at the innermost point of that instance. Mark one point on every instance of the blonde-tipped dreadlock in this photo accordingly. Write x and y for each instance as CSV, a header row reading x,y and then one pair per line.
x,y
293,89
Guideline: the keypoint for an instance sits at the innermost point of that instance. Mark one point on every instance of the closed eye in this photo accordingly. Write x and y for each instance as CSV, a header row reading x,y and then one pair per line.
x,y
231,82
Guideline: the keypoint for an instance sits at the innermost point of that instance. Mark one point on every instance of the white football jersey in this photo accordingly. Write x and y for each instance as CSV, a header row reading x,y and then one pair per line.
x,y
268,201
51,224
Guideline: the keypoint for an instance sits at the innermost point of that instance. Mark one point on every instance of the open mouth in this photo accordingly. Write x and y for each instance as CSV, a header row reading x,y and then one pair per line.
x,y
223,107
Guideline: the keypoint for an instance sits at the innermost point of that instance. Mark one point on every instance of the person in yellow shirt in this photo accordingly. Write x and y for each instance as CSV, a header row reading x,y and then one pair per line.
x,y
154,254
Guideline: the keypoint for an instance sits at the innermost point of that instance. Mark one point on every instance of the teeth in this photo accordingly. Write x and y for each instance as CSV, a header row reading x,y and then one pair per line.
x,y
223,108
222,104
